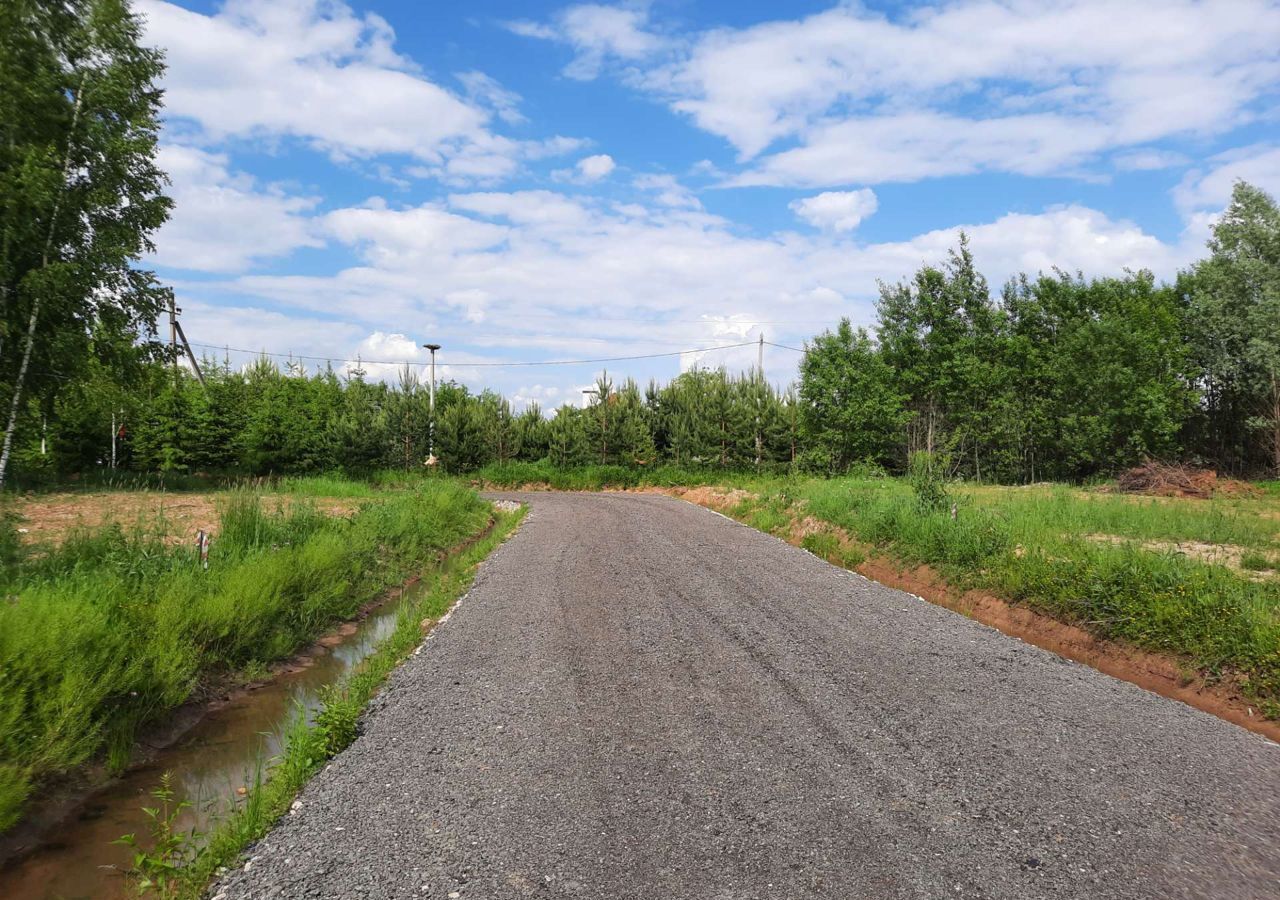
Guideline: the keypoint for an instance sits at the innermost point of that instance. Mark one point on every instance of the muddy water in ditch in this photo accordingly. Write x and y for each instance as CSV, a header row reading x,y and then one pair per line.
x,y
223,752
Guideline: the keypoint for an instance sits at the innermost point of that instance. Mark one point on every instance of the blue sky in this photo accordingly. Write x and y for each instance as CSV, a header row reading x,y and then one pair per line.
x,y
524,182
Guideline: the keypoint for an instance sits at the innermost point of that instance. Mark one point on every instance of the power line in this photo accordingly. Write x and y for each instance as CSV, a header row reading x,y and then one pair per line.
x,y
537,362
785,347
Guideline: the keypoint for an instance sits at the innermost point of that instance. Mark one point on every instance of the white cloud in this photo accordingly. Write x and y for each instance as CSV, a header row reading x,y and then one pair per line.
x,y
557,260
1148,160
390,237
490,159
837,210
544,209
593,168
487,91
223,221
668,191
314,71
1209,188
596,33
1033,87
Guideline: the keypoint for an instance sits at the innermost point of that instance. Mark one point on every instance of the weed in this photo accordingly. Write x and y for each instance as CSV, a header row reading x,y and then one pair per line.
x,y
1207,615
158,869
1256,561
928,482
822,544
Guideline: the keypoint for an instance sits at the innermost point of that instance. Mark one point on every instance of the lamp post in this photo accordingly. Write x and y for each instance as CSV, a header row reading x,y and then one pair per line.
x,y
431,428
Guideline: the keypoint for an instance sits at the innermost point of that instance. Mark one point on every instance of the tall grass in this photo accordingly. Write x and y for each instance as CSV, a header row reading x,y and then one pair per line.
x,y
112,629
309,746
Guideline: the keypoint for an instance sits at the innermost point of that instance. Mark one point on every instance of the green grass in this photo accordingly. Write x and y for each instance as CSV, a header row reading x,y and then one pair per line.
x,y
308,747
325,486
113,629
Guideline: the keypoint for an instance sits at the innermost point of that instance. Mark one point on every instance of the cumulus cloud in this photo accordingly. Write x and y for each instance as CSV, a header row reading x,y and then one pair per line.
x,y
224,221
535,254
1209,187
667,191
316,72
593,168
597,33
1036,87
836,210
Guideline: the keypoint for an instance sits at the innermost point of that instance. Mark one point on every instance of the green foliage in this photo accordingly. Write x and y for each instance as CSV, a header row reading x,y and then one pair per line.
x,y
1233,326
80,193
114,628
158,867
851,410
928,481
1059,377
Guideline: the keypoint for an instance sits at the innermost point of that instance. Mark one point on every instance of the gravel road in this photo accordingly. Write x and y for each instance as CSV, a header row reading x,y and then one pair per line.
x,y
642,699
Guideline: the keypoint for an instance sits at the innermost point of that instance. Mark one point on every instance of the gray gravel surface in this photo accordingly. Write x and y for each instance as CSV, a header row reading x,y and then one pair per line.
x,y
642,699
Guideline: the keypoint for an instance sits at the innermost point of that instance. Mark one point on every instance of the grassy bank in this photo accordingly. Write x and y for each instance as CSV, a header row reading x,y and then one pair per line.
x,y
1194,579
112,628
187,870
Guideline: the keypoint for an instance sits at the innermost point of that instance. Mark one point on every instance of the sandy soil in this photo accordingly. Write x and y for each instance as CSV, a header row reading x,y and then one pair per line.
x,y
49,518
1229,555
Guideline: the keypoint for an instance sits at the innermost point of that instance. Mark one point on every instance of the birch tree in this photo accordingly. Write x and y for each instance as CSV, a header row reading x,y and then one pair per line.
x,y
80,193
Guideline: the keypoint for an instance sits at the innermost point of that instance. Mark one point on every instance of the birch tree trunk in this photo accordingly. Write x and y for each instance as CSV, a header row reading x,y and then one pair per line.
x,y
15,404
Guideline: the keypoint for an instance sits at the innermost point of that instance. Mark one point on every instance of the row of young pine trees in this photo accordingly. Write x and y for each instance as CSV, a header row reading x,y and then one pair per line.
x,y
268,420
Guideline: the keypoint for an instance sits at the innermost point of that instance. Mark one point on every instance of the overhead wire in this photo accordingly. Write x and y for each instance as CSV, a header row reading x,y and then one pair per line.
x,y
523,363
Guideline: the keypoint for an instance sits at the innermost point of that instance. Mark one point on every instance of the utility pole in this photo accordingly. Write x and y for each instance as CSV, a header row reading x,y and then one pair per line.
x,y
173,336
176,333
431,428
760,356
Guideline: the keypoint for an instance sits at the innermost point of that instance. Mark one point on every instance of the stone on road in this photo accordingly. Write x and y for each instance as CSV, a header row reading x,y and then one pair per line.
x,y
642,699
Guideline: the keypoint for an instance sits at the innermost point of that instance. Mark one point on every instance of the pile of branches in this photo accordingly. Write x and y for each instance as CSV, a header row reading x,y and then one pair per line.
x,y
1161,479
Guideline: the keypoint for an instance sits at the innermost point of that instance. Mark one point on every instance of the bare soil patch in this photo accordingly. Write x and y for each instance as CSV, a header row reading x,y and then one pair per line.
x,y
1229,555
50,518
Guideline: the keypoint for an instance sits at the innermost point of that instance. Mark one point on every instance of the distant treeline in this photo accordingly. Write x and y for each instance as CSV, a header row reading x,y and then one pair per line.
x,y
1057,377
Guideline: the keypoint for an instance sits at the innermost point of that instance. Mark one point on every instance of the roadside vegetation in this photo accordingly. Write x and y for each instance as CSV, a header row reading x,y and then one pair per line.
x,y
113,627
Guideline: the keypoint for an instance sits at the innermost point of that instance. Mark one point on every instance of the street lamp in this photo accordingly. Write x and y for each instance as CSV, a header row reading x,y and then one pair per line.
x,y
431,428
